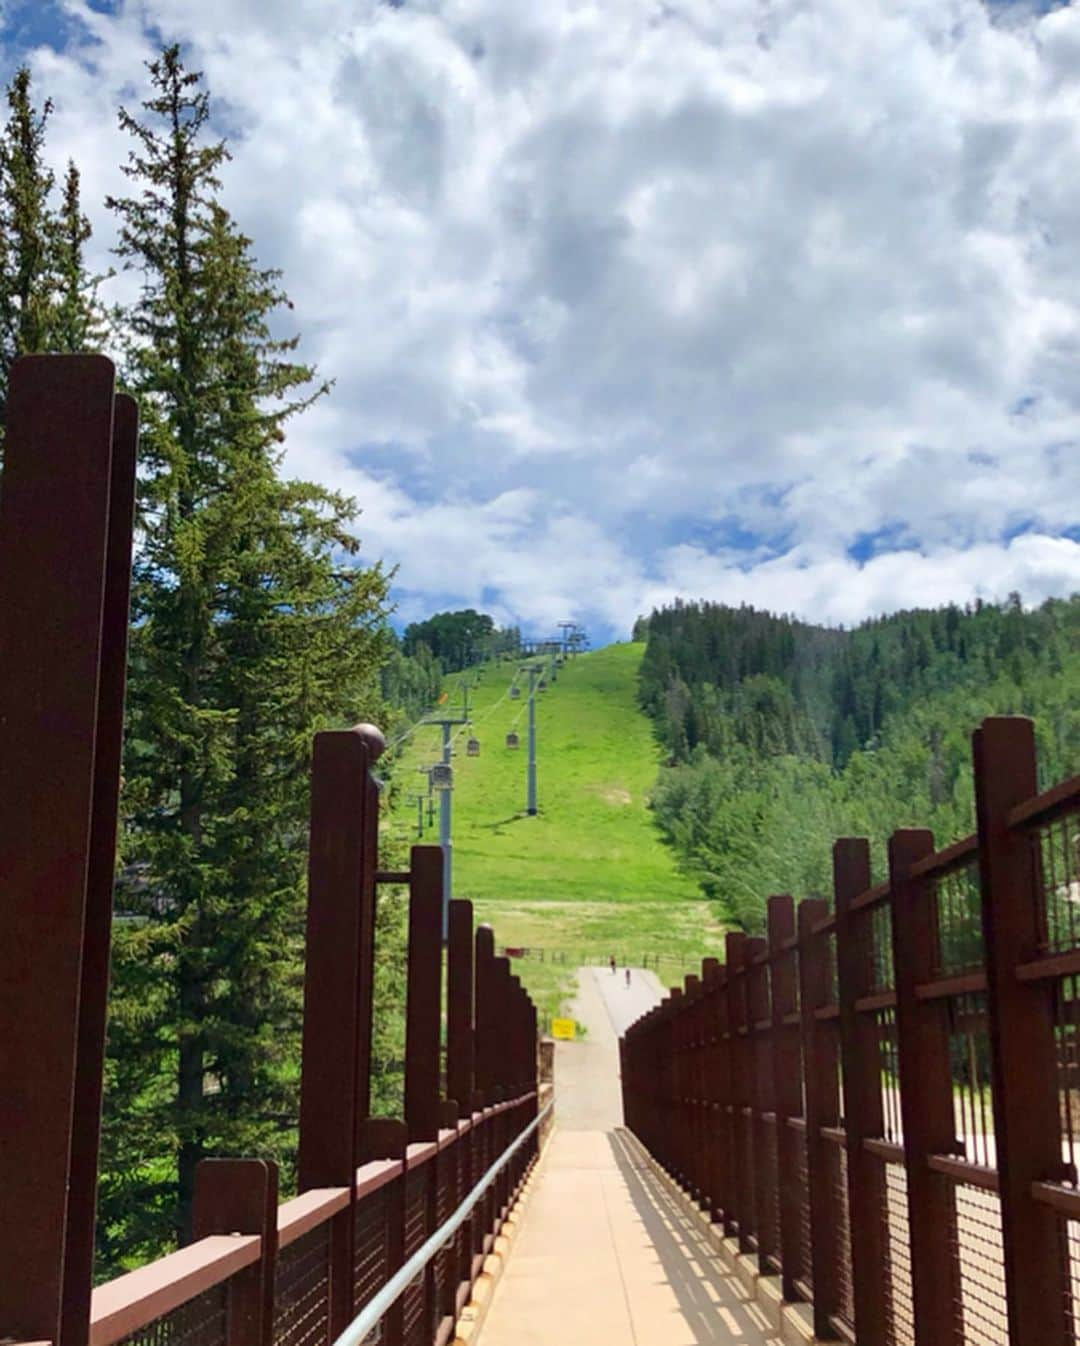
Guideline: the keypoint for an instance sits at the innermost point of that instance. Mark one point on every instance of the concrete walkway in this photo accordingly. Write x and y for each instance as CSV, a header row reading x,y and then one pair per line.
x,y
604,1255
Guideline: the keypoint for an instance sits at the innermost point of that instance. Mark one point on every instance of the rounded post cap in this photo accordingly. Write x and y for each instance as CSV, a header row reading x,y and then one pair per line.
x,y
373,737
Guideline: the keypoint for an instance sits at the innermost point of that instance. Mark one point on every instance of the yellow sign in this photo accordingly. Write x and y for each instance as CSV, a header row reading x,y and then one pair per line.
x,y
563,1028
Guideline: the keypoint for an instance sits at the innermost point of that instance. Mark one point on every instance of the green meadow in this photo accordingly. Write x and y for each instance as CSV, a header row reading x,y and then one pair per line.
x,y
589,875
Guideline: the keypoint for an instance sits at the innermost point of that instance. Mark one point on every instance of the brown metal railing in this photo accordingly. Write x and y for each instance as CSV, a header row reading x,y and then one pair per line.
x,y
371,1189
882,1102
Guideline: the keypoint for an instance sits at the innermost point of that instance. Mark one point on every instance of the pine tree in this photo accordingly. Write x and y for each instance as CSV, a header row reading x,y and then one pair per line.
x,y
250,632
26,184
77,320
48,302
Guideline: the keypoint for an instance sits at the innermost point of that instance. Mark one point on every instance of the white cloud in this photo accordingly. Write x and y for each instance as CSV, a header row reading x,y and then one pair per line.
x,y
599,279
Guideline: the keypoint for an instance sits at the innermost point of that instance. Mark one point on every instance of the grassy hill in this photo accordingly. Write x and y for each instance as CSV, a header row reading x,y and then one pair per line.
x,y
589,875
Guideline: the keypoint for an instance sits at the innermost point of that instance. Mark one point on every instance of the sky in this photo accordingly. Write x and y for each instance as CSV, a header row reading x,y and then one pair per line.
x,y
763,301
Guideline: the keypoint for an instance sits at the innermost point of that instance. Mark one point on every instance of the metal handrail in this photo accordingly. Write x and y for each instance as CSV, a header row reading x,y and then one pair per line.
x,y
376,1308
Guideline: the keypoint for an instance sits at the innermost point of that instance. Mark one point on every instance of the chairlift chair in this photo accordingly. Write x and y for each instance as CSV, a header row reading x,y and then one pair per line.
x,y
511,739
472,748
515,693
442,776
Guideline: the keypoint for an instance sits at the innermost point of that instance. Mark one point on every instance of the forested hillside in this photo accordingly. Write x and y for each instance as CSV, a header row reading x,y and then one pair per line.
x,y
782,735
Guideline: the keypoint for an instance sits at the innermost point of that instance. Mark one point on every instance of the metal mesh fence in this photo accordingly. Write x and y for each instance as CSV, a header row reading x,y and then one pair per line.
x,y
1056,847
370,1268
841,1222
804,1271
202,1321
958,911
977,1231
768,1171
302,1290
899,1301
414,1298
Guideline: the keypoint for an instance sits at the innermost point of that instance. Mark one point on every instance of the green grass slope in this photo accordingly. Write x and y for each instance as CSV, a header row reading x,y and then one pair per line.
x,y
589,875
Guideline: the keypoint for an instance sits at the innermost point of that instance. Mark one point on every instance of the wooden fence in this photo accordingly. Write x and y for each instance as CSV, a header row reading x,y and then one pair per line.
x,y
881,1101
371,1189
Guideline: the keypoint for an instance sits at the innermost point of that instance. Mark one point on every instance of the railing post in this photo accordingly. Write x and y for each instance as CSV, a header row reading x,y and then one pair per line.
x,y
423,1012
65,549
240,1196
336,1054
1022,1043
423,1016
758,1026
822,1109
863,1113
711,1101
460,1056
926,1097
387,1138
787,1094
742,1118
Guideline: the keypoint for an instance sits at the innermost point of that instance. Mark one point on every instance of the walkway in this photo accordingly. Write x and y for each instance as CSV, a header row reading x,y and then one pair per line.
x,y
604,1255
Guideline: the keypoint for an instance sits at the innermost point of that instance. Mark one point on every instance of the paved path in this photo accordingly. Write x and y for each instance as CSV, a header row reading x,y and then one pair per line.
x,y
604,1255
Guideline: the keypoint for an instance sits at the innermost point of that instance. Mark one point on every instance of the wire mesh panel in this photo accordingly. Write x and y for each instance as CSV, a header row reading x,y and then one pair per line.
x,y
1071,1237
958,917
202,1321
370,1265
1056,846
418,1332
969,1058
899,1303
982,1306
302,1290
765,1156
803,1272
444,1207
838,1190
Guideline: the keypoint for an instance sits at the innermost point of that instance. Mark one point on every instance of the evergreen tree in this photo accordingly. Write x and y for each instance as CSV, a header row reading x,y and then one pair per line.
x,y
77,322
48,302
26,228
249,634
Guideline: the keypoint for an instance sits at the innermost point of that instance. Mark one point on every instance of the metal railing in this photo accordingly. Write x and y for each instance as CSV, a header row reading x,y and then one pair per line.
x,y
373,1191
881,1103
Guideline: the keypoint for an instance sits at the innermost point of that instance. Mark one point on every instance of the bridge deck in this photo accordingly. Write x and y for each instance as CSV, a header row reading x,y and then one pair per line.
x,y
604,1254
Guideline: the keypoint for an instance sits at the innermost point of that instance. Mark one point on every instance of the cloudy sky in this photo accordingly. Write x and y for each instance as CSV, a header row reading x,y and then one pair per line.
x,y
774,301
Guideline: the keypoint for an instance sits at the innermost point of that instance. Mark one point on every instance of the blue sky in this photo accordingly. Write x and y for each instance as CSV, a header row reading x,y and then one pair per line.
x,y
772,302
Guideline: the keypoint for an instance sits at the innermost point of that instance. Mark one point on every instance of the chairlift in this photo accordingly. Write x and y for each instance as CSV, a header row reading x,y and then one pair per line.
x,y
472,748
515,693
542,684
442,776
511,739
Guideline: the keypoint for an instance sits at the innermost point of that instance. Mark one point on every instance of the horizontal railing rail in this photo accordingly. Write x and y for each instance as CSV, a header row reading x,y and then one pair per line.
x,y
374,1312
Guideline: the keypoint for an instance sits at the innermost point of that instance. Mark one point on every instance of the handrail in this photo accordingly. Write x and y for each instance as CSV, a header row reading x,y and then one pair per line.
x,y
377,1307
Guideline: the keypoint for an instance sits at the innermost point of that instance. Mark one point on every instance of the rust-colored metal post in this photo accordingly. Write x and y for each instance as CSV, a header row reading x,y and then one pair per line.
x,y
334,1082
387,1138
487,1057
863,1111
725,1111
926,1097
759,1025
94,987
787,1093
822,1109
460,1055
711,1102
423,1011
240,1196
57,801
1022,1044
735,944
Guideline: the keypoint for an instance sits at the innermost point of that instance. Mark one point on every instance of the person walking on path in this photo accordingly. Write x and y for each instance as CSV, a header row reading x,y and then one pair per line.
x,y
612,961
628,976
